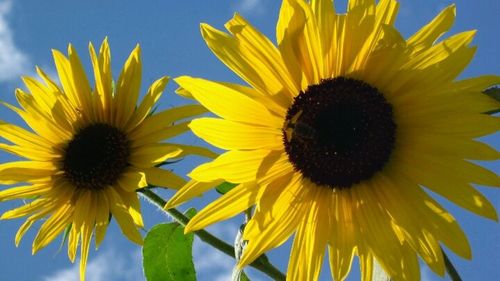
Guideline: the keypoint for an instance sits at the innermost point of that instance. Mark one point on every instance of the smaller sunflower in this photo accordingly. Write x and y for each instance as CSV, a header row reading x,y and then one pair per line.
x,y
89,151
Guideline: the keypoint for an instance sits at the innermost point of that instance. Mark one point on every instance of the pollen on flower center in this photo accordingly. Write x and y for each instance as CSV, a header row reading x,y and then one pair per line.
x,y
339,132
96,156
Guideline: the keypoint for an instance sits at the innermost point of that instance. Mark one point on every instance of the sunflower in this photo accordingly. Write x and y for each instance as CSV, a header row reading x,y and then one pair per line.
x,y
343,128
89,151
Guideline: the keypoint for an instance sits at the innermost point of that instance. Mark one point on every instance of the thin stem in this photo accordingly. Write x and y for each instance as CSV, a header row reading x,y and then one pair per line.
x,y
248,214
261,264
452,272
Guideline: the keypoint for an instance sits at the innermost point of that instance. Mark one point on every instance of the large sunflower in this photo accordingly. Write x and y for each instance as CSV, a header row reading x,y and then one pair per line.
x,y
343,128
89,151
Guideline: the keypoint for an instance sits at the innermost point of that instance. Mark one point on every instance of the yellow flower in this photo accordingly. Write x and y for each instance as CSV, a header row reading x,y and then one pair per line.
x,y
89,150
344,127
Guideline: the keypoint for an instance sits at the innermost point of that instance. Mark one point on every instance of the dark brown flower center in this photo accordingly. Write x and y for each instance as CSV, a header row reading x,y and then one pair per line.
x,y
96,156
339,132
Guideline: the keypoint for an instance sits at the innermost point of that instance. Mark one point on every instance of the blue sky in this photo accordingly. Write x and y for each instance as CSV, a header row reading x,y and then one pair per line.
x,y
168,32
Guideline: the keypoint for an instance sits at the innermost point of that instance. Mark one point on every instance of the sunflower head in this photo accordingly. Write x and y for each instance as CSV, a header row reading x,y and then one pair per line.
x,y
361,143
342,127
88,150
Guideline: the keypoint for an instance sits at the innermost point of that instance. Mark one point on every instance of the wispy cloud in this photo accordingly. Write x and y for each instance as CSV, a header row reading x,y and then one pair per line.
x,y
108,266
211,264
250,6
126,265
13,61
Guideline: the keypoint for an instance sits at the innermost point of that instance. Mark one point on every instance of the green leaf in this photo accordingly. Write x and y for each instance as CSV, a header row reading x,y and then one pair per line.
x,y
167,253
225,187
244,277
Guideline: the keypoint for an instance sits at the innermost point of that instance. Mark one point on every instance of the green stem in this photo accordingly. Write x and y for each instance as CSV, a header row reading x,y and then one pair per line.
x,y
260,264
452,272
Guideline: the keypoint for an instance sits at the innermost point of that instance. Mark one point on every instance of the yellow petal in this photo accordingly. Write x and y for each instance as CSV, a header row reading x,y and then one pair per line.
x,y
23,171
426,36
440,51
274,165
270,227
233,166
354,31
454,189
229,103
103,79
33,116
277,104
460,125
29,208
80,82
65,72
288,28
259,67
121,214
132,179
153,154
101,218
73,240
230,204
86,234
22,230
230,135
343,234
153,137
257,50
152,96
127,87
29,222
452,146
299,40
453,169
374,225
407,219
163,178
28,152
82,208
366,266
385,15
48,81
164,119
324,13
308,248
51,228
26,191
42,95
447,229
196,150
134,206
191,189
24,138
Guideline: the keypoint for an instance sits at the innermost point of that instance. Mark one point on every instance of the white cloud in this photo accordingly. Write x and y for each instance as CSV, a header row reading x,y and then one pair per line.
x,y
122,265
107,266
210,263
13,61
248,6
